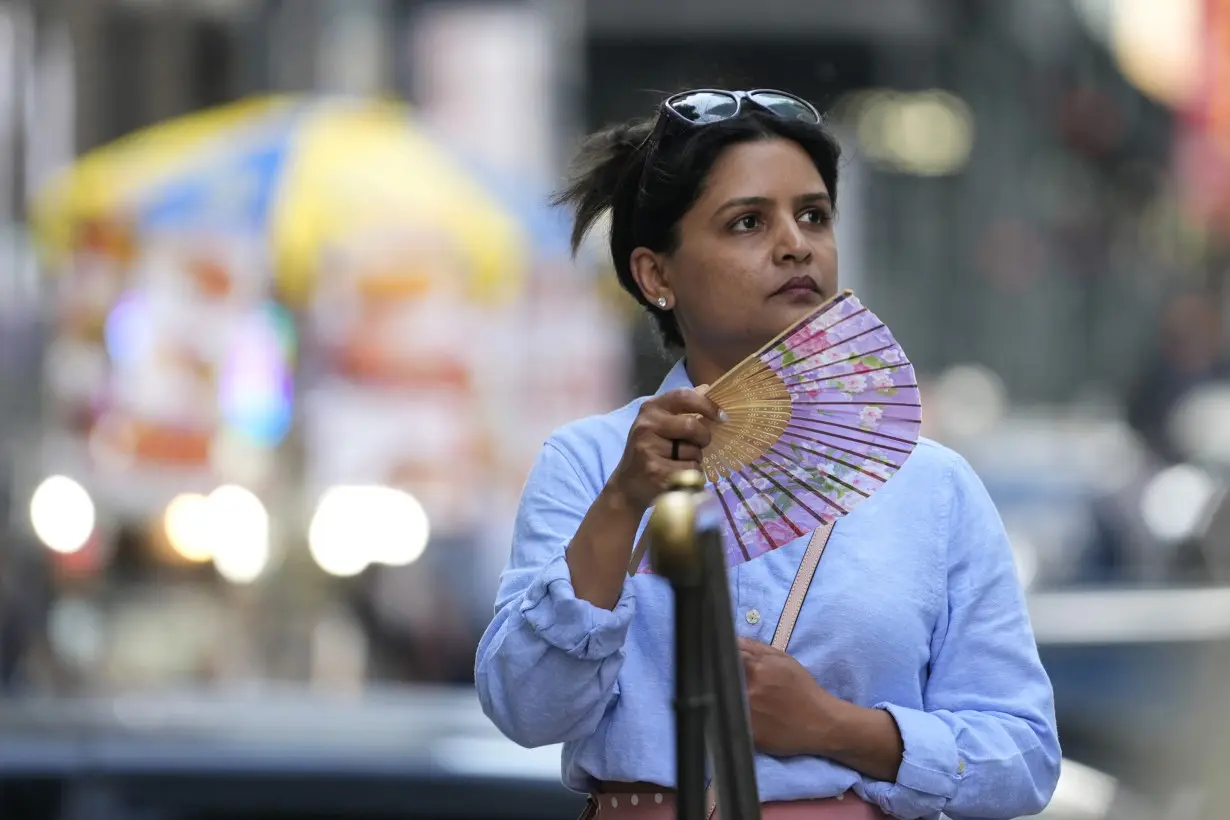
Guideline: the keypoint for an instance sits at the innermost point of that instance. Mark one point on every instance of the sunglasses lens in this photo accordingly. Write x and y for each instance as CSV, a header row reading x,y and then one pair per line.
x,y
786,106
704,106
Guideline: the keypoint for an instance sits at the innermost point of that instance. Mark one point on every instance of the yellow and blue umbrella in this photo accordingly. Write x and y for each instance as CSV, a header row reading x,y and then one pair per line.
x,y
303,172
299,174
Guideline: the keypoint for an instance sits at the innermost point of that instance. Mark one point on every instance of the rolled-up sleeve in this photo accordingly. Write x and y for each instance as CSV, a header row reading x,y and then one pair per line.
x,y
984,744
547,665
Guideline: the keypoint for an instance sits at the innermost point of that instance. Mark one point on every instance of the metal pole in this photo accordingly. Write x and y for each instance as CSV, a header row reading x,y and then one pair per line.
x,y
676,557
692,698
730,731
709,700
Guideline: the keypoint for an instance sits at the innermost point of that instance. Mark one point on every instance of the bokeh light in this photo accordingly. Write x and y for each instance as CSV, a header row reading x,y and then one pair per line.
x,y
62,514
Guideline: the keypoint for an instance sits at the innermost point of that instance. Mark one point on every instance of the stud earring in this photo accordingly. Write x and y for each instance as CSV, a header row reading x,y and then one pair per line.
x,y
662,302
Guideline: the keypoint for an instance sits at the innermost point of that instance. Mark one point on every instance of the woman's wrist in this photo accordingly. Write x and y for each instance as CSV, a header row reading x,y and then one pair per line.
x,y
826,721
866,740
598,556
615,502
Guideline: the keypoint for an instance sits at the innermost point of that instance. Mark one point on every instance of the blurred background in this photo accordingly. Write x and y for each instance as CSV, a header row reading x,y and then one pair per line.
x,y
284,319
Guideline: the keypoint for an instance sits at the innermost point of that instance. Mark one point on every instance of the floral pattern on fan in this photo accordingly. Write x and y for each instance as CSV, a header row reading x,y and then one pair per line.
x,y
819,420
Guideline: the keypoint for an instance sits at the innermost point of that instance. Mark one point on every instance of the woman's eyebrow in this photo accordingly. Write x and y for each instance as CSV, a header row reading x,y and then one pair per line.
x,y
748,201
743,202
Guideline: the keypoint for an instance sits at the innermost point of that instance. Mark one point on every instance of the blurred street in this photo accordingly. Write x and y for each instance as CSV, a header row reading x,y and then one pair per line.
x,y
285,318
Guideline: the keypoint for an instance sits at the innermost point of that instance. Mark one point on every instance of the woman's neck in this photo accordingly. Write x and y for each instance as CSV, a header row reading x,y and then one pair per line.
x,y
705,368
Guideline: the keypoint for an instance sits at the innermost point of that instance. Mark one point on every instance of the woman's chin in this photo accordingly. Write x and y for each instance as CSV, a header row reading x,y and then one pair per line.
x,y
788,309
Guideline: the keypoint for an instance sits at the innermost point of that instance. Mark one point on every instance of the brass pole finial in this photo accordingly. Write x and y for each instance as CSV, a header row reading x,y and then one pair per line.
x,y
672,526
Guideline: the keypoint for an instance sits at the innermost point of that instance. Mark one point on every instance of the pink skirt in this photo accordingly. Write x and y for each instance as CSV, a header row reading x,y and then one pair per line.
x,y
661,806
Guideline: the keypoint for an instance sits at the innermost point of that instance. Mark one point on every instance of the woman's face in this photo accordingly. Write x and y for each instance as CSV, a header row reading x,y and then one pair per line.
x,y
756,251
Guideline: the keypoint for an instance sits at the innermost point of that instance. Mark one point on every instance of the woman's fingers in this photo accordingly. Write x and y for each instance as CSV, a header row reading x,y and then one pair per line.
x,y
688,429
684,401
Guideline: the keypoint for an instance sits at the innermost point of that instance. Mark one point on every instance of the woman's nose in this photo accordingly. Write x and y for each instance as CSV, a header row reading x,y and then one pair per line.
x,y
792,244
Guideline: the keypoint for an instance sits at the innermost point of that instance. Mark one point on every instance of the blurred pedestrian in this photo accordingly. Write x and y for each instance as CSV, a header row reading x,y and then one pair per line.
x,y
1190,353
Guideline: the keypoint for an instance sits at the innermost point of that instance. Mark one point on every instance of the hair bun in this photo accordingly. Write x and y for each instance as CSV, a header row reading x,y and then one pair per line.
x,y
605,161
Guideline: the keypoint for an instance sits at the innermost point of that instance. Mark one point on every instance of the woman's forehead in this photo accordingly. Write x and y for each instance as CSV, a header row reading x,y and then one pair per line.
x,y
772,169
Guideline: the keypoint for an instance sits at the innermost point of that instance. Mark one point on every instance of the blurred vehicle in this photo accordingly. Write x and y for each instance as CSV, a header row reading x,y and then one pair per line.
x,y
271,754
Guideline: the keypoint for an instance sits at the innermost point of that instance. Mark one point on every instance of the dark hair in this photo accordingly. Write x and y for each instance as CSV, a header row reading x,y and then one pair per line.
x,y
608,170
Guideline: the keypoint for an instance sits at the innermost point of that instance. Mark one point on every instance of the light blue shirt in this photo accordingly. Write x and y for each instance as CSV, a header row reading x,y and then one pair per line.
x,y
915,608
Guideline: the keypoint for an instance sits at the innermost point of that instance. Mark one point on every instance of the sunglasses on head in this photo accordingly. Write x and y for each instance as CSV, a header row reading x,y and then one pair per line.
x,y
705,106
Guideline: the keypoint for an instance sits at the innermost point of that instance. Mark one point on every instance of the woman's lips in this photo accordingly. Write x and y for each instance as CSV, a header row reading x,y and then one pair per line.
x,y
797,284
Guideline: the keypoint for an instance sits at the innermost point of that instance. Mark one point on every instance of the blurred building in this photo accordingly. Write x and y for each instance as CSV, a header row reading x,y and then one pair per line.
x,y
1010,164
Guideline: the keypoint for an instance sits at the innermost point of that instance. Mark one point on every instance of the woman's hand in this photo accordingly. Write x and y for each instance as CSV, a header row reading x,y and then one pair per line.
x,y
598,555
792,714
645,470
789,709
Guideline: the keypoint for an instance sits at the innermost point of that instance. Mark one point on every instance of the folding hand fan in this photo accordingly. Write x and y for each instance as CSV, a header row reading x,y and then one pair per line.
x,y
818,420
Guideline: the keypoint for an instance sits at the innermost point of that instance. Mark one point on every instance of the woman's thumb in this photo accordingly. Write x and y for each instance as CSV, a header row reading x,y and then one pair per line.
x,y
702,390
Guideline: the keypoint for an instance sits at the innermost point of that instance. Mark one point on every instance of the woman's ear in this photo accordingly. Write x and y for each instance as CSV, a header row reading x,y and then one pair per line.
x,y
649,271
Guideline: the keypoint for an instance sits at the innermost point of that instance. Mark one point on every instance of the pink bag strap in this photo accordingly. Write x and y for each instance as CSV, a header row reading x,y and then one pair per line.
x,y
790,613
802,582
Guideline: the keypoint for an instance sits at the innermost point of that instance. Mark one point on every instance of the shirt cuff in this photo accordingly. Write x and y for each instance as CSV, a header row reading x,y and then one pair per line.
x,y
582,630
931,766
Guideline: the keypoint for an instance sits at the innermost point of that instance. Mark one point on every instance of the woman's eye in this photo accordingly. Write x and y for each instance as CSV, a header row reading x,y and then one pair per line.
x,y
817,216
749,222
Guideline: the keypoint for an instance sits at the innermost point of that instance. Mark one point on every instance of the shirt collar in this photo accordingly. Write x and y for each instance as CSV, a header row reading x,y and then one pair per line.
x,y
676,379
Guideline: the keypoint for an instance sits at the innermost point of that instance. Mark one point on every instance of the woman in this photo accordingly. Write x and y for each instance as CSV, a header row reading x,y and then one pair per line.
x,y
912,685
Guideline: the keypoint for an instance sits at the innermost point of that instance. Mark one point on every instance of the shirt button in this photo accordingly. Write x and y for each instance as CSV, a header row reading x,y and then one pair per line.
x,y
753,616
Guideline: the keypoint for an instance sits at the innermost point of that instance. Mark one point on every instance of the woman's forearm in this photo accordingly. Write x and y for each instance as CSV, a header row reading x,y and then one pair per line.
x,y
599,553
865,740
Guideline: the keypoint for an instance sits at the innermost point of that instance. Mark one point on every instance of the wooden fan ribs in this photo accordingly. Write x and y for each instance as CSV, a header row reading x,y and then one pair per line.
x,y
757,416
